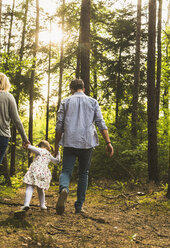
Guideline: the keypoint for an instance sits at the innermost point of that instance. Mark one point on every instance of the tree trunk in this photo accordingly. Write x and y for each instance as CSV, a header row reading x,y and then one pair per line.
x,y
85,44
10,29
61,60
6,171
48,93
118,88
159,59
30,135
136,75
18,79
0,23
78,58
168,192
151,108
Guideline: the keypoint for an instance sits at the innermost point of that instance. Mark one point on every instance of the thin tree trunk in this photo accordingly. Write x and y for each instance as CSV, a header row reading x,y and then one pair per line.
x,y
30,135
118,88
10,29
78,58
159,59
0,23
6,171
61,60
18,79
136,75
48,93
85,44
152,129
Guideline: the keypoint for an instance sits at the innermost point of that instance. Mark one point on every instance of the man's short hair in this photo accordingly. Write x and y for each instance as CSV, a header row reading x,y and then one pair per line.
x,y
77,84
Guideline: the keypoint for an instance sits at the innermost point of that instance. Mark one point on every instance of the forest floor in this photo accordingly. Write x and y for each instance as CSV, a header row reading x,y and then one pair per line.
x,y
117,215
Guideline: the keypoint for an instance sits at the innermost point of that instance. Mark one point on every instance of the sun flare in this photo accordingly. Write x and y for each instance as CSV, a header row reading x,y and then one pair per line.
x,y
55,36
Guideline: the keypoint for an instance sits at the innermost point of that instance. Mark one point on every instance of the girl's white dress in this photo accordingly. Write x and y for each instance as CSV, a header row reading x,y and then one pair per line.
x,y
38,173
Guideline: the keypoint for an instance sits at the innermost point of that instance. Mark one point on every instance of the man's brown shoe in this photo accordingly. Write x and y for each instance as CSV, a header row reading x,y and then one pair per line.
x,y
60,206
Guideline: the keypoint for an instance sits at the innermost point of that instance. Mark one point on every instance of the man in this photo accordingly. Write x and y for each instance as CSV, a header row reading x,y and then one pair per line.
x,y
75,131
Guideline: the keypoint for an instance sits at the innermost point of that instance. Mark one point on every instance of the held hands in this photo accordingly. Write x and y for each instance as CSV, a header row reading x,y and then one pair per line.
x,y
58,157
109,150
25,144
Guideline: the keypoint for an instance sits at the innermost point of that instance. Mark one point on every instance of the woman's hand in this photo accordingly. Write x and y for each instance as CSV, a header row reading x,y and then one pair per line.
x,y
25,144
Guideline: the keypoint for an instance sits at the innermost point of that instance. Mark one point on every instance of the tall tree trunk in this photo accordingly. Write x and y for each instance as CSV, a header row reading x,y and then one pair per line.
x,y
18,79
6,171
118,88
48,92
85,44
159,59
78,58
136,75
0,23
151,108
30,134
61,59
10,29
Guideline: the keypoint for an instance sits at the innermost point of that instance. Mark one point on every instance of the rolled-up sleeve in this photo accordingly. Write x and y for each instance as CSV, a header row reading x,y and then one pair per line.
x,y
98,118
60,119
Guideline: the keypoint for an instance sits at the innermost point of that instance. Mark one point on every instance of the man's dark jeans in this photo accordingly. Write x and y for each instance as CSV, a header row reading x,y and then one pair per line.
x,y
3,146
69,158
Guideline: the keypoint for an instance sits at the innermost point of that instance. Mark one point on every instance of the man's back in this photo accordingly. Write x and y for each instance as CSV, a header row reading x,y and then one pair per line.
x,y
78,114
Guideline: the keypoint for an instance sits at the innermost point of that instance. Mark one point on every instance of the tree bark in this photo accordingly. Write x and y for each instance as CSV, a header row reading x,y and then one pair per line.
x,y
85,44
6,171
48,93
61,60
151,106
78,58
18,79
10,29
118,88
30,135
136,75
159,59
0,22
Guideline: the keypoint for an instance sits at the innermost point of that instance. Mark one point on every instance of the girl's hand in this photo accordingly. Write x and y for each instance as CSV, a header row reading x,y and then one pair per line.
x,y
58,157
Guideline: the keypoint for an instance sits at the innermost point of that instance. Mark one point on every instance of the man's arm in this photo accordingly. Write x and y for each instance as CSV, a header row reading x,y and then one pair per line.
x,y
109,147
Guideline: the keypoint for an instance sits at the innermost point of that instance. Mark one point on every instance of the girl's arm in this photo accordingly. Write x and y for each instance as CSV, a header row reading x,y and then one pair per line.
x,y
34,149
57,159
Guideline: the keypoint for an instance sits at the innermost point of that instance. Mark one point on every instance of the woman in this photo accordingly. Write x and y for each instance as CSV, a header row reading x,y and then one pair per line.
x,y
8,112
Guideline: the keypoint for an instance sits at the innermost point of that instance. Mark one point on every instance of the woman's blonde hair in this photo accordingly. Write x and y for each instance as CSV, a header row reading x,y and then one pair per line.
x,y
4,82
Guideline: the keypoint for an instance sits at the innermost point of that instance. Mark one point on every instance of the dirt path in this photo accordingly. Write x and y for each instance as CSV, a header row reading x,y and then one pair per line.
x,y
113,219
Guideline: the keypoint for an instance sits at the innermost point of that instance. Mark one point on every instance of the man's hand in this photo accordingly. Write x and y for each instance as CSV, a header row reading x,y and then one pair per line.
x,y
109,150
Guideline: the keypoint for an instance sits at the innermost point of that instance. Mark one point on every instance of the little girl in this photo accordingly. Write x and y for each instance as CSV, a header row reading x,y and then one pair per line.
x,y
38,173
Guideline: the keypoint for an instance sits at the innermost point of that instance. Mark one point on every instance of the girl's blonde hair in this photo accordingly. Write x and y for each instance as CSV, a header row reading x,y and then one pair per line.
x,y
46,145
4,82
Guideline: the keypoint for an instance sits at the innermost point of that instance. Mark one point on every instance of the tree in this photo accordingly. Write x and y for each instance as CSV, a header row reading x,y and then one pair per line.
x,y
10,29
0,21
159,59
85,44
48,92
151,97
61,58
18,89
35,49
136,74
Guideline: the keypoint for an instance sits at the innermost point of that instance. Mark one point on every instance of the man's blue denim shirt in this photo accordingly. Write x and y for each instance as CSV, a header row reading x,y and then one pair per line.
x,y
76,119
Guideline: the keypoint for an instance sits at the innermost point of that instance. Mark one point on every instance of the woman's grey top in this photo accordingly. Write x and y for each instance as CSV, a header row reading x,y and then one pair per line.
x,y
8,112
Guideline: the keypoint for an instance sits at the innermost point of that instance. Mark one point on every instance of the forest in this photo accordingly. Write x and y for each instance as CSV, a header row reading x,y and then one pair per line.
x,y
121,51
122,54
